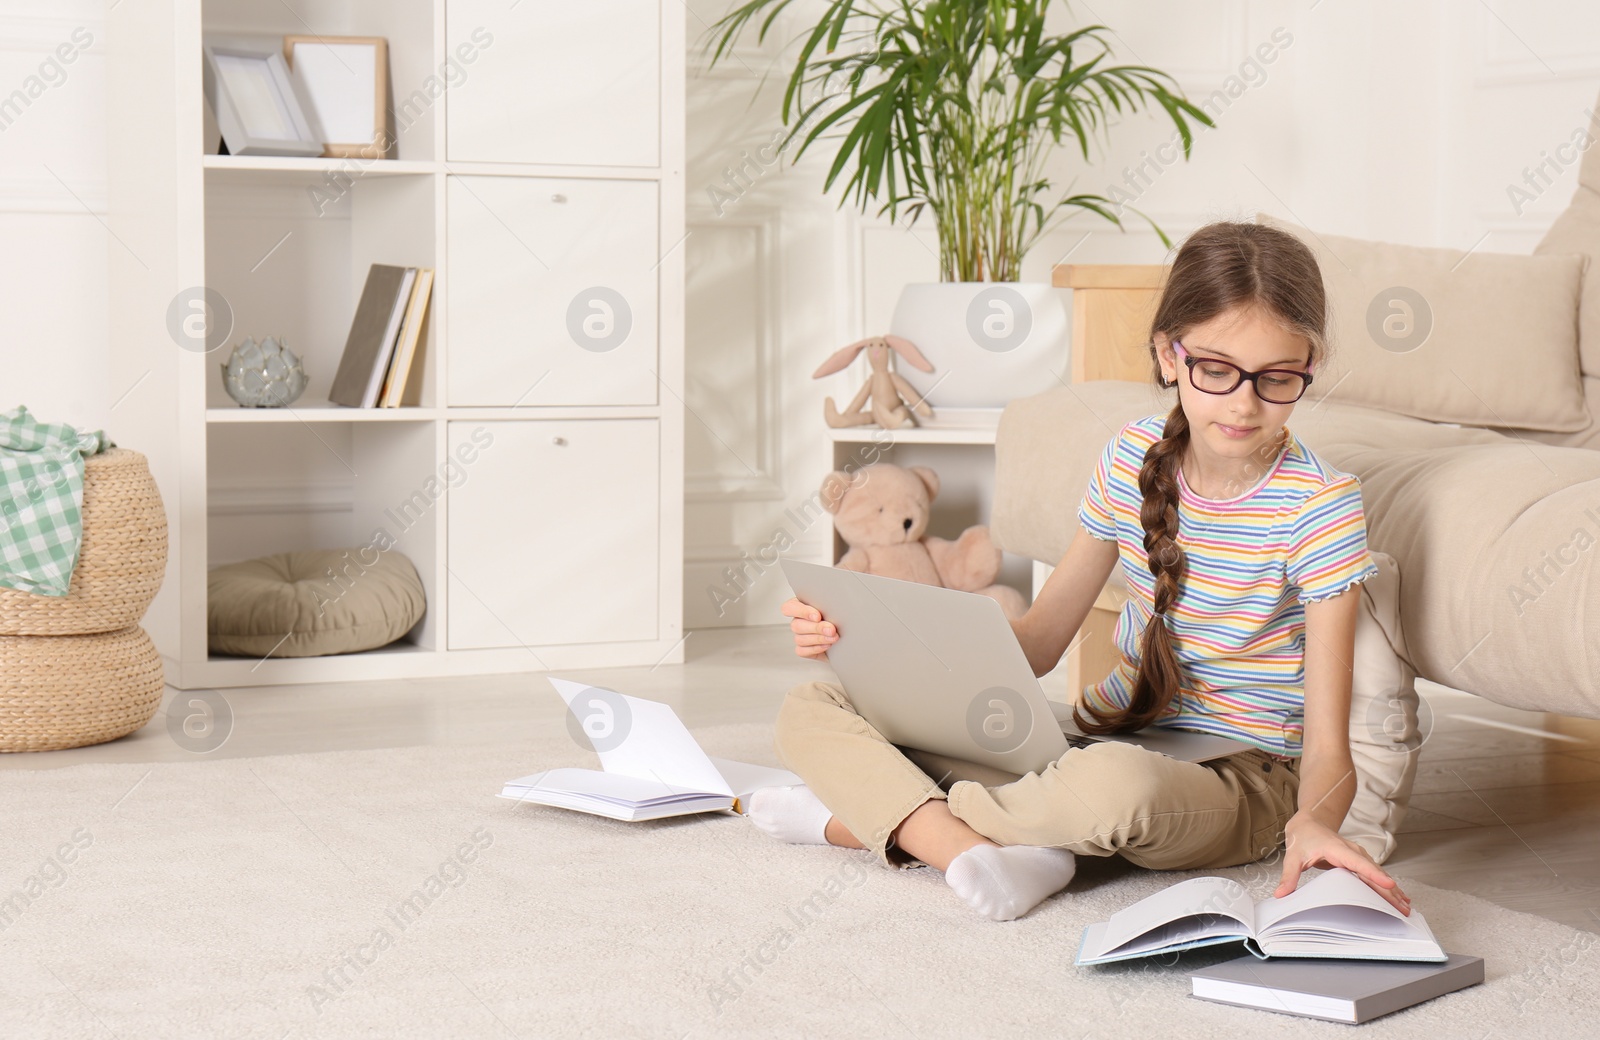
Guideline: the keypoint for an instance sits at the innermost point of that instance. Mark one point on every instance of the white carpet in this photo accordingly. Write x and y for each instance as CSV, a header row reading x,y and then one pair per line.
x,y
258,898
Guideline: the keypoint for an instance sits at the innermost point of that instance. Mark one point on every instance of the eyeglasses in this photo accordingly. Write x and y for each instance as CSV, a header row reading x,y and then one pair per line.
x,y
1215,376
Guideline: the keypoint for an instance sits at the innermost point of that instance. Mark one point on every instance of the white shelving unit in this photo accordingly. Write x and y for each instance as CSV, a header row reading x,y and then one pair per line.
x,y
539,169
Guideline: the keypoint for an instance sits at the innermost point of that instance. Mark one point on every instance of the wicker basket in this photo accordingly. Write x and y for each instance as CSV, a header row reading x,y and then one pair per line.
x,y
67,691
120,565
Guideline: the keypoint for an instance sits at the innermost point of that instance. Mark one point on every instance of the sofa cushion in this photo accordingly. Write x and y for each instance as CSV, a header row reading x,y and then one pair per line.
x,y
1498,538
1500,547
1577,230
1486,314
1588,437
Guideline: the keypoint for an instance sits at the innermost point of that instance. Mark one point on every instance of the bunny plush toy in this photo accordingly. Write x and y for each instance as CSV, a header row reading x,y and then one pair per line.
x,y
885,387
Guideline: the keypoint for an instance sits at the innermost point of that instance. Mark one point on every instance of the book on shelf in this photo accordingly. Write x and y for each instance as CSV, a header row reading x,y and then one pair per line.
x,y
1335,914
1351,991
651,766
370,344
405,351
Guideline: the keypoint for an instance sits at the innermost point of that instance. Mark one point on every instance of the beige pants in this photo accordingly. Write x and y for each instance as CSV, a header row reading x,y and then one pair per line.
x,y
1101,800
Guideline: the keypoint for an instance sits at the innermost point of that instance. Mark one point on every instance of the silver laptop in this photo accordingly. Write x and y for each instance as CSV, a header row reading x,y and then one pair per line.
x,y
942,671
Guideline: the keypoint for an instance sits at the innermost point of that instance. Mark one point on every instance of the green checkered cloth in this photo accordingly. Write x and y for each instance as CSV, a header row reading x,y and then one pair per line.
x,y
41,501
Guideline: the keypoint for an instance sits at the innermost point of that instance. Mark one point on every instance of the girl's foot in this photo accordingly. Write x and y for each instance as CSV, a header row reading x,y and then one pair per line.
x,y
1003,882
791,814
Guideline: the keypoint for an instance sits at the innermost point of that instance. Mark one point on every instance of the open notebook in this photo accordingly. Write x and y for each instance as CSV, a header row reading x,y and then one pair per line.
x,y
1335,914
651,766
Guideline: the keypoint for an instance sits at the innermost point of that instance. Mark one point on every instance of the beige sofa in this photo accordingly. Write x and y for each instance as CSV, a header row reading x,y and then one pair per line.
x,y
1478,451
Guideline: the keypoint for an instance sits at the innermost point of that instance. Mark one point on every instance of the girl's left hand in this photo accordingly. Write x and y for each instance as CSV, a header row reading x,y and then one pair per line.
x,y
1314,844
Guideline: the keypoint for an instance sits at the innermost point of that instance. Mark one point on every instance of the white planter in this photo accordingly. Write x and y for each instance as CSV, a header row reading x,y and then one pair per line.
x,y
989,342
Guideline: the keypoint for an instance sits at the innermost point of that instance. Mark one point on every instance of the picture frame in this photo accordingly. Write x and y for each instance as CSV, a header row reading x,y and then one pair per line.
x,y
346,78
261,108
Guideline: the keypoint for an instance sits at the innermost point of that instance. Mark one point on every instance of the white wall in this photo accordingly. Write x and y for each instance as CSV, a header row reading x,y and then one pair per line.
x,y
53,322
1403,122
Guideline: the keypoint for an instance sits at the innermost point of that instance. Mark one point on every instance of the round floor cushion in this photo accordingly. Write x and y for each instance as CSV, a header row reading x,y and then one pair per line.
x,y
310,604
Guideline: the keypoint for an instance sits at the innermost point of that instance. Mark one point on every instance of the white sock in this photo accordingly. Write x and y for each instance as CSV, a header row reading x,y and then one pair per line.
x,y
791,814
1003,882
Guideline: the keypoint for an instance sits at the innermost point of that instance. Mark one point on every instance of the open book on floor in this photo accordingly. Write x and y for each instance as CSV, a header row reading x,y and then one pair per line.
x,y
651,766
1335,914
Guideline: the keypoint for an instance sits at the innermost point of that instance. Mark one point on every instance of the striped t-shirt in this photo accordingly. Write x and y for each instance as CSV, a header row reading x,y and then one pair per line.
x,y
1238,622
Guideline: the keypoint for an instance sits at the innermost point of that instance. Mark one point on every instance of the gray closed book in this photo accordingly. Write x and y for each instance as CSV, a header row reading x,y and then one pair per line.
x,y
1334,990
373,331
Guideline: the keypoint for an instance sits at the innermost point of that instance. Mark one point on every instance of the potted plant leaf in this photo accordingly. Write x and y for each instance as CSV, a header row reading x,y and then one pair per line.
x,y
953,106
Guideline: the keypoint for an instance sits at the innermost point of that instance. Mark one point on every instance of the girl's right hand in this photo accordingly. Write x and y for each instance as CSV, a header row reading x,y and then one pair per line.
x,y
812,634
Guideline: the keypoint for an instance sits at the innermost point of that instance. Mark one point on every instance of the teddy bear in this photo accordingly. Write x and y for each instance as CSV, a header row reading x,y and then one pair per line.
x,y
881,512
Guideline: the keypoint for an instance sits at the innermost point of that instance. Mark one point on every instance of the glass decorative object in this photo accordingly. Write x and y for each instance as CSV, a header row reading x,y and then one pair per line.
x,y
264,375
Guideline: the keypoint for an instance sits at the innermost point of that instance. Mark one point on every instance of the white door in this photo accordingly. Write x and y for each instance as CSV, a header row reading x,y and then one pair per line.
x,y
552,291
554,532
565,83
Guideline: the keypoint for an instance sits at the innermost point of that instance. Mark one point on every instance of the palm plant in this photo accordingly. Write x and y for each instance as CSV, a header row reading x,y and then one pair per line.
x,y
951,106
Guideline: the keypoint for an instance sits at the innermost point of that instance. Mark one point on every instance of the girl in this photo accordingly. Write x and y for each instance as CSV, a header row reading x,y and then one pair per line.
x,y
1241,549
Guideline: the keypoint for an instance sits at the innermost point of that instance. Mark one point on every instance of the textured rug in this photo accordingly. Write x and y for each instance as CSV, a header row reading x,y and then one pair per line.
x,y
388,893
